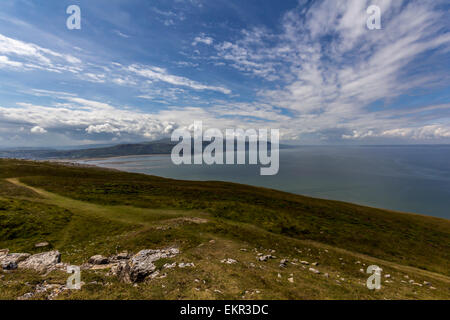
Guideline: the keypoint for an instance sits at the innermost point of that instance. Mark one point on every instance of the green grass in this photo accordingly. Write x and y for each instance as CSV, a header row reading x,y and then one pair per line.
x,y
87,211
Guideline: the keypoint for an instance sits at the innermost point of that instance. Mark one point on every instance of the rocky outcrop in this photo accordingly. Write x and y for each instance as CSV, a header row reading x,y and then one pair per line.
x,y
128,268
10,261
141,265
51,291
42,262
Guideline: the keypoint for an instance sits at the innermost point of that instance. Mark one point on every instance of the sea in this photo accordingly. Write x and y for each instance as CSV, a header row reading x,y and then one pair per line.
x,y
413,179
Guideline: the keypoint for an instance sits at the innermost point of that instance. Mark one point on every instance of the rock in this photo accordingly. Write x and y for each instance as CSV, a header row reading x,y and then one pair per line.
x,y
314,270
123,256
361,270
41,262
169,266
291,280
98,259
228,261
9,265
26,296
284,263
266,257
53,290
432,288
427,283
103,266
326,275
304,262
387,276
315,264
140,266
186,265
16,257
41,245
3,253
243,250
279,275
10,261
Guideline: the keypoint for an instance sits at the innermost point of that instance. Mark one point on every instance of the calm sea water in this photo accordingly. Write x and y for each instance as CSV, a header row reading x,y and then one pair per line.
x,y
410,179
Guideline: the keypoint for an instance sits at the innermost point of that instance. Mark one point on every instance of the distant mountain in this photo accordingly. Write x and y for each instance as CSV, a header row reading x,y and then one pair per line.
x,y
163,146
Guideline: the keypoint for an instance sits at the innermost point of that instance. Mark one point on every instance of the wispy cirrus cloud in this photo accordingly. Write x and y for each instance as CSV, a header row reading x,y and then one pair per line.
x,y
329,67
161,74
31,56
314,71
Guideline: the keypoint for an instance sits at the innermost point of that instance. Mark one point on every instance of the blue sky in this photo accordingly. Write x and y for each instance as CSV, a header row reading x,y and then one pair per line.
x,y
138,69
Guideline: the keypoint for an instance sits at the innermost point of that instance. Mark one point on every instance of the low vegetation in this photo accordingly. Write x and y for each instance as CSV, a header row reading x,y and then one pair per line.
x,y
84,211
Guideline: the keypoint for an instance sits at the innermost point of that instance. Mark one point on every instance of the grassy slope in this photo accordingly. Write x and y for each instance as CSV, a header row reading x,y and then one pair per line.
x,y
93,211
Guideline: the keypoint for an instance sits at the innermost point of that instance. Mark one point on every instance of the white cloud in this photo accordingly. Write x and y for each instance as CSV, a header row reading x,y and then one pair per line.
x,y
92,117
5,62
38,130
123,35
203,39
36,57
160,74
330,67
429,132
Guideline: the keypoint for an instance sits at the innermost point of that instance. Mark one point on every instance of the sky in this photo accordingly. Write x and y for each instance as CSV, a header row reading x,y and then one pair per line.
x,y
139,69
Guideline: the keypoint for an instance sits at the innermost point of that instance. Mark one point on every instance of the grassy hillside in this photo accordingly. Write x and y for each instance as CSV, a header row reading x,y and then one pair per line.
x,y
86,211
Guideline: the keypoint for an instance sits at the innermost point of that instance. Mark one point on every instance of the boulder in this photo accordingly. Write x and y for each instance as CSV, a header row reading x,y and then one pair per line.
x,y
98,259
41,244
41,262
10,261
140,266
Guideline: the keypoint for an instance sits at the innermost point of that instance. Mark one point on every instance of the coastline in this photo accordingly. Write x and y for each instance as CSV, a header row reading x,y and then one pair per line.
x,y
81,165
